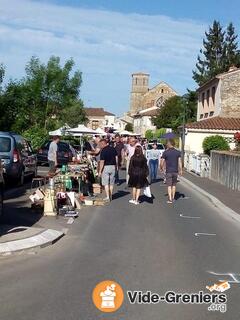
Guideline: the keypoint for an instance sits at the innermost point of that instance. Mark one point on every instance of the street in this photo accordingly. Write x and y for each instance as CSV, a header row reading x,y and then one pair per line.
x,y
119,160
150,247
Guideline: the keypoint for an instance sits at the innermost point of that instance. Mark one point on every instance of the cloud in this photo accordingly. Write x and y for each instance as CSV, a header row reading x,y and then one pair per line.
x,y
107,46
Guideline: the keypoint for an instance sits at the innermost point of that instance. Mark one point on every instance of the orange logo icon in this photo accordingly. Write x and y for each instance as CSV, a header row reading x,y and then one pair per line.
x,y
108,296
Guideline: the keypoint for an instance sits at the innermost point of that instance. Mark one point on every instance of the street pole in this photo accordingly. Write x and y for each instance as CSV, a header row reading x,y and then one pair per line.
x,y
183,131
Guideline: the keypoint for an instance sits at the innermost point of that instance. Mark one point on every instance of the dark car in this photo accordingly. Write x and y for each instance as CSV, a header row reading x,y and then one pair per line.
x,y
64,154
18,157
1,187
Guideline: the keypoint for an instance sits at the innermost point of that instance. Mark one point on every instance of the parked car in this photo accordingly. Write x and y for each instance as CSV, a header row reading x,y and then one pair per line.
x,y
1,187
160,147
18,157
64,154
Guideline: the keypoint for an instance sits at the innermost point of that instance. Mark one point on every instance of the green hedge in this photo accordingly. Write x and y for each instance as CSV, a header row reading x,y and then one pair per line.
x,y
214,143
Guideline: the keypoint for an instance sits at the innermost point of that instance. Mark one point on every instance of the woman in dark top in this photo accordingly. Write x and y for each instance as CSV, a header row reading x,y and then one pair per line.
x,y
138,172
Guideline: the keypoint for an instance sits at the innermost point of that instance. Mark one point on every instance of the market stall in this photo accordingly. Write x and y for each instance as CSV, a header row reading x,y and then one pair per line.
x,y
80,131
73,185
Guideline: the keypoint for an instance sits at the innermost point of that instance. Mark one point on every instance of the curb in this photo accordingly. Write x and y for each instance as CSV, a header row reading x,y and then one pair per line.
x,y
42,240
217,203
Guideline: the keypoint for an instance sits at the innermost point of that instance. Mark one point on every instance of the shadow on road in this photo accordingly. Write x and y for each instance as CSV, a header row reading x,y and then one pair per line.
x,y
120,194
157,180
179,195
17,209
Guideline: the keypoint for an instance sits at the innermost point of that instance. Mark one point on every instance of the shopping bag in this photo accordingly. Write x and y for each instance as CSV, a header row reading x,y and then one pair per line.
x,y
147,192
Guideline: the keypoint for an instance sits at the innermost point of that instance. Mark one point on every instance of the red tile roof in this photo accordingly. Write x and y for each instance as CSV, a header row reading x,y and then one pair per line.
x,y
97,112
216,123
150,113
219,76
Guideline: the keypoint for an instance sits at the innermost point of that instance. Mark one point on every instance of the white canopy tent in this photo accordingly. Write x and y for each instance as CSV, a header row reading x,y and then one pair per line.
x,y
101,132
80,131
126,133
59,132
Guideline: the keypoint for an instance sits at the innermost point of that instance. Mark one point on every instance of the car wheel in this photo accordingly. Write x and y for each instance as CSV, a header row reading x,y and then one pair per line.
x,y
35,173
21,178
1,202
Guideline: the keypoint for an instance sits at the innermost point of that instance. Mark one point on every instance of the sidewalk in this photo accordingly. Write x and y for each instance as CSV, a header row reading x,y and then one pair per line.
x,y
227,196
22,228
25,238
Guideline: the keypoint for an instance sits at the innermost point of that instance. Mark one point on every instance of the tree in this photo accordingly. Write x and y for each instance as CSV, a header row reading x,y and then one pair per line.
x,y
159,132
231,47
190,101
171,114
46,98
74,115
212,58
129,127
149,134
14,107
52,91
2,73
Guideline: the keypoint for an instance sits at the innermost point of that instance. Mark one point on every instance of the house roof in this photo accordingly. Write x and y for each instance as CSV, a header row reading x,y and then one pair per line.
x,y
97,112
140,74
148,113
220,76
216,123
163,83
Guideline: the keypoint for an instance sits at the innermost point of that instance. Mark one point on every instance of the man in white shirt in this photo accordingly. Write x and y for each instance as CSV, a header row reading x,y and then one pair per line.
x,y
52,155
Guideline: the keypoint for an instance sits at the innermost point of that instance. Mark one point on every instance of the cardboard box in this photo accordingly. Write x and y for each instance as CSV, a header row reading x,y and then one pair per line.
x,y
99,202
97,188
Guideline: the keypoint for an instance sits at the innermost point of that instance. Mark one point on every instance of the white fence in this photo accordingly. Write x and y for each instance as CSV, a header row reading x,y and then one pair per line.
x,y
197,163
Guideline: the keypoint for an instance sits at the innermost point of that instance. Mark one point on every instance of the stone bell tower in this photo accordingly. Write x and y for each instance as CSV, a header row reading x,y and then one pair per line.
x,y
140,85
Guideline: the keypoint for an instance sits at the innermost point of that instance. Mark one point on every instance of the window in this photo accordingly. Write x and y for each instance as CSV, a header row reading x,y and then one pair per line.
x,y
205,115
203,98
201,116
5,144
211,113
136,81
213,94
208,96
162,91
63,147
160,102
95,124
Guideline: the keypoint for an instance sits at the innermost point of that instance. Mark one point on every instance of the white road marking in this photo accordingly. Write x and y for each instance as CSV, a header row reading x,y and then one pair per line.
x,y
188,217
197,234
234,276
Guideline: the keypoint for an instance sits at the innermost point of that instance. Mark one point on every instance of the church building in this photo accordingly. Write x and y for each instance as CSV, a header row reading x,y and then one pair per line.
x,y
145,102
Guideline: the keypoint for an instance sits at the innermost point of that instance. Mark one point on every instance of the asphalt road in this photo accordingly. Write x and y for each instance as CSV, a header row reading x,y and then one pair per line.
x,y
152,246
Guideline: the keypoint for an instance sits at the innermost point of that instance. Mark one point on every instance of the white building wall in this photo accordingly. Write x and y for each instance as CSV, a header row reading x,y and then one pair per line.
x,y
109,121
194,139
141,125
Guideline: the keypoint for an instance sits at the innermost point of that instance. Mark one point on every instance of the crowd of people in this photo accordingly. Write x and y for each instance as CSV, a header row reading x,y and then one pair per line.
x,y
141,167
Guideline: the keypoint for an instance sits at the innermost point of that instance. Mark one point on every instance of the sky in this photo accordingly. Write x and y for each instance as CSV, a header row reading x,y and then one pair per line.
x,y
110,40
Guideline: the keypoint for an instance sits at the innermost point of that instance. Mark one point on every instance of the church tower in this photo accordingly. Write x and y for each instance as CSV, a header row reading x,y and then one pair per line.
x,y
140,85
